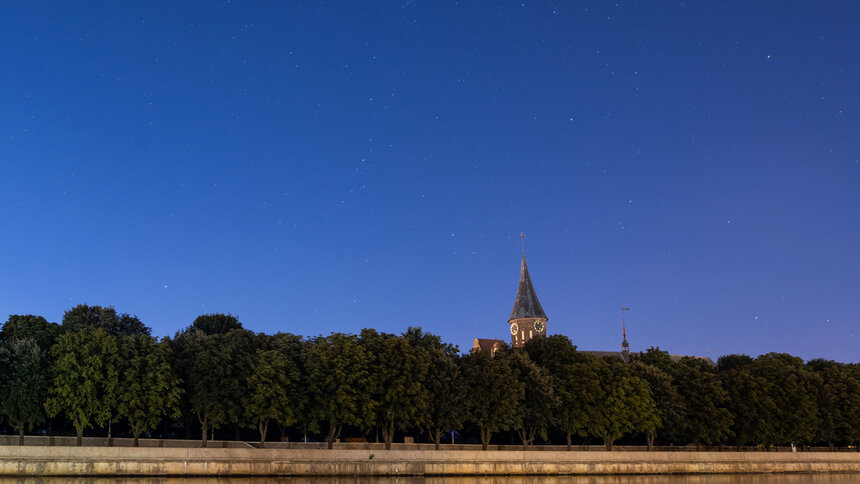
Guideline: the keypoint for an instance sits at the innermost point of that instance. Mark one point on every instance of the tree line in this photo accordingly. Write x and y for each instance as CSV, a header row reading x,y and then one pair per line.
x,y
103,370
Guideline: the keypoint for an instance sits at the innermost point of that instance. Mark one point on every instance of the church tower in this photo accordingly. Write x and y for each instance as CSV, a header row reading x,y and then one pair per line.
x,y
527,318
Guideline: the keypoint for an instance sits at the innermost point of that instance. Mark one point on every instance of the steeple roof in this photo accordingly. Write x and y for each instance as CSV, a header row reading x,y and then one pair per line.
x,y
526,305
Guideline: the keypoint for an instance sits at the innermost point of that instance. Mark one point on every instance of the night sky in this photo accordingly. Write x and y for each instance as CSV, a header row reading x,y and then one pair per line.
x,y
334,166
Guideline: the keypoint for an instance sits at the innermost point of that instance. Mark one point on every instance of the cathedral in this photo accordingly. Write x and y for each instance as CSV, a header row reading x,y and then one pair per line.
x,y
529,320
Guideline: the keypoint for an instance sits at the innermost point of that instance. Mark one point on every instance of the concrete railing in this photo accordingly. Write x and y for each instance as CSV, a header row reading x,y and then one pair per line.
x,y
154,461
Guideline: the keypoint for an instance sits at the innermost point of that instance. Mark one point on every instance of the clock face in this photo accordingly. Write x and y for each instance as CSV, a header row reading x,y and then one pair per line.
x,y
539,325
515,328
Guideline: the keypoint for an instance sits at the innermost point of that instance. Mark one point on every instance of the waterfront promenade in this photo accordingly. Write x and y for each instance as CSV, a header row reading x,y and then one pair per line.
x,y
242,459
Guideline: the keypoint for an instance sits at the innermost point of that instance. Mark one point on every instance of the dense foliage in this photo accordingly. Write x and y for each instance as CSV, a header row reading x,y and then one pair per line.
x,y
100,368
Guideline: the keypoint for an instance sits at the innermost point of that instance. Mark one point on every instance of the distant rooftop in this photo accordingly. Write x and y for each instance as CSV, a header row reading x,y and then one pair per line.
x,y
620,356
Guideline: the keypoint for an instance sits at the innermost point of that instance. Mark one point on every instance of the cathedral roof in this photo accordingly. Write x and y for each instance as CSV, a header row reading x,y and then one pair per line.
x,y
526,305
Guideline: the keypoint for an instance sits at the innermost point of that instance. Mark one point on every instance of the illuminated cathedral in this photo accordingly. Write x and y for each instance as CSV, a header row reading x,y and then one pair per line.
x,y
528,320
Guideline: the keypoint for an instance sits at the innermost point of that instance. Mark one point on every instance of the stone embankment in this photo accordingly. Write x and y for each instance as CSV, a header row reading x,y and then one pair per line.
x,y
165,461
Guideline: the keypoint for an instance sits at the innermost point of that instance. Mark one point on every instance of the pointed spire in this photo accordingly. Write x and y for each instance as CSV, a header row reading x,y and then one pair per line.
x,y
625,346
526,304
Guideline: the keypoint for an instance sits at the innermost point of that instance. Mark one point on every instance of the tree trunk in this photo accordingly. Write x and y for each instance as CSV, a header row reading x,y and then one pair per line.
x,y
21,435
485,438
238,433
437,437
649,438
523,438
568,442
136,434
388,434
264,427
80,433
608,444
332,433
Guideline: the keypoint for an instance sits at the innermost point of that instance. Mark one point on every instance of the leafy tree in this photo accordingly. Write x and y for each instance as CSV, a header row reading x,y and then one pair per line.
x,y
242,346
24,387
575,379
397,371
553,352
627,405
493,393
733,362
749,400
536,409
86,374
340,384
444,383
293,347
274,377
706,419
181,357
216,367
670,406
793,417
838,393
83,316
208,368
149,389
216,323
29,326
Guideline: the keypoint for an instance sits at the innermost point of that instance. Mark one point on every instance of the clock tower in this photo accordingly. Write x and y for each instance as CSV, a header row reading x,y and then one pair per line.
x,y
527,318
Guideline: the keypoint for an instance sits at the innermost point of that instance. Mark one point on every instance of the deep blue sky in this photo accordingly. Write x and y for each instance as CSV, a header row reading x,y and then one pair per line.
x,y
332,166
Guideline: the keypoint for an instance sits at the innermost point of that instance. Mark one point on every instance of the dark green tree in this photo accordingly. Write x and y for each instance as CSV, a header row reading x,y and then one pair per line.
x,y
793,417
707,420
575,379
493,394
217,367
749,400
627,405
444,383
340,384
85,378
553,352
838,394
148,389
397,372
28,326
216,323
670,407
24,383
271,385
536,410
294,347
242,346
208,366
84,316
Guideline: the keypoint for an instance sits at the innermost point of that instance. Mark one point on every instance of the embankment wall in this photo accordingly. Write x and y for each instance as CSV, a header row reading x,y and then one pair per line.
x,y
149,461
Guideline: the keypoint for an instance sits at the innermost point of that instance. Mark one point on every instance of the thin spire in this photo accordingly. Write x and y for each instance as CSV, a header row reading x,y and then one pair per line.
x,y
523,243
625,346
